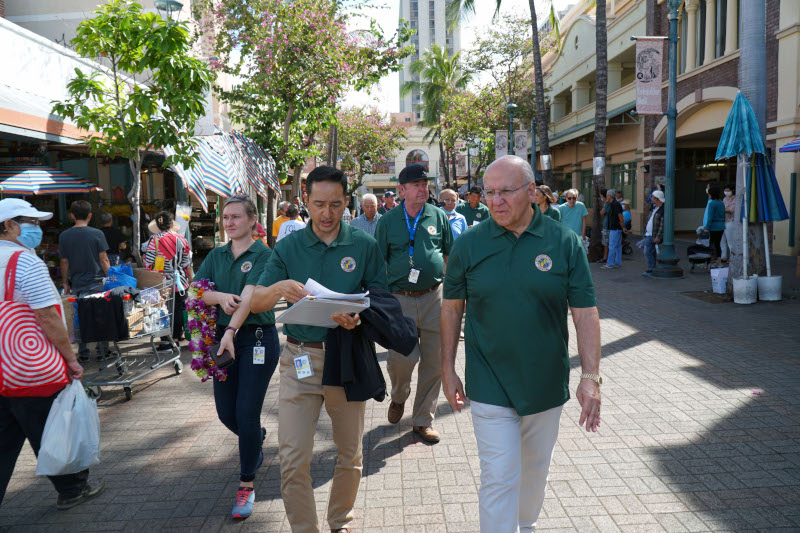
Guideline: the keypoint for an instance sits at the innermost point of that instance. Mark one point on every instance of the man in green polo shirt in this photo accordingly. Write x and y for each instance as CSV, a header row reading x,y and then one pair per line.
x,y
473,210
343,259
519,273
415,239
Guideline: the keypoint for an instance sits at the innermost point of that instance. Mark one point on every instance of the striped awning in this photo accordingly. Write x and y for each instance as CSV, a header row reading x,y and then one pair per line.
x,y
793,146
33,179
227,163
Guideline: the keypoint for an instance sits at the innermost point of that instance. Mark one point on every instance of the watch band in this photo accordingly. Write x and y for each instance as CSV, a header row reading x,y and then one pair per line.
x,y
594,377
233,329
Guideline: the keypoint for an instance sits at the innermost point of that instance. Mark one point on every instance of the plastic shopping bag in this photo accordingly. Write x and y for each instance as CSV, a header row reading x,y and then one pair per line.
x,y
71,437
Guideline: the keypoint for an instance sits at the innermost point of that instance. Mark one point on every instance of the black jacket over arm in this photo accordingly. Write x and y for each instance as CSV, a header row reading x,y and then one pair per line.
x,y
350,358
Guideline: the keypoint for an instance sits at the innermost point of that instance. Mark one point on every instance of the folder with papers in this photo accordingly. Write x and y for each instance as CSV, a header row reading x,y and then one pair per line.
x,y
317,308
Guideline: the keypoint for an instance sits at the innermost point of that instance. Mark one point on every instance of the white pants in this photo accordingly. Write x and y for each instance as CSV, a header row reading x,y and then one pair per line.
x,y
726,236
515,453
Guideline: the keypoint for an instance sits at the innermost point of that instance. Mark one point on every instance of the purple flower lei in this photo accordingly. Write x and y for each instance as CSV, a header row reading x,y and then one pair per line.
x,y
201,326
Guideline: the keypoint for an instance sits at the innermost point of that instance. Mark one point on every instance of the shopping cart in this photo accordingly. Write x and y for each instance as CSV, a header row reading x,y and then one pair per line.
x,y
149,316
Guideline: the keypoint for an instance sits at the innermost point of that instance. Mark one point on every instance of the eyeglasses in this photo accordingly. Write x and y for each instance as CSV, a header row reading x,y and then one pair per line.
x,y
503,193
34,221
571,198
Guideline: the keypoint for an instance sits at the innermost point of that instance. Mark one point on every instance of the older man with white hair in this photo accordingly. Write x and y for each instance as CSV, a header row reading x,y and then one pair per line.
x,y
518,273
368,219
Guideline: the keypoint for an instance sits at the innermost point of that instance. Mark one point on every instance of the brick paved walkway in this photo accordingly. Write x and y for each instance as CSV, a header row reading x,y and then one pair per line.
x,y
686,444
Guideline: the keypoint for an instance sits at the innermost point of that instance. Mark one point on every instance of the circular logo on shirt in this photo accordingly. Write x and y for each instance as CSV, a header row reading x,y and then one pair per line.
x,y
543,262
348,264
247,266
432,230
478,215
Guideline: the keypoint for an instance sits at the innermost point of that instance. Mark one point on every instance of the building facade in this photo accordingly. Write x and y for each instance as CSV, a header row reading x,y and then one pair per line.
x,y
428,18
708,65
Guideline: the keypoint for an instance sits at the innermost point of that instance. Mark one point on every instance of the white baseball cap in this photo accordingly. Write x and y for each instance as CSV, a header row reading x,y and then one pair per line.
x,y
659,195
14,207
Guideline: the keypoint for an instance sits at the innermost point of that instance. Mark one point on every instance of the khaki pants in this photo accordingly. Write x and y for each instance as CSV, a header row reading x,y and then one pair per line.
x,y
426,311
299,407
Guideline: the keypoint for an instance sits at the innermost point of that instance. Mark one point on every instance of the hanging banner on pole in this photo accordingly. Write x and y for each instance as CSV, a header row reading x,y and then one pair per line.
x,y
521,144
649,60
500,144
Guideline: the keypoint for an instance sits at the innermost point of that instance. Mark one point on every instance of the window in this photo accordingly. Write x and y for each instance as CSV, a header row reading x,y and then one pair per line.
x,y
415,157
623,177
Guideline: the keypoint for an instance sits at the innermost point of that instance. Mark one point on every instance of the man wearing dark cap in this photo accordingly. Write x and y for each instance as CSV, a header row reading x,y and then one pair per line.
x,y
473,210
388,203
415,240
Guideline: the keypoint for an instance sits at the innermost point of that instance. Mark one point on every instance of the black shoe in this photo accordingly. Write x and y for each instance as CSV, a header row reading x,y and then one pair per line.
x,y
164,347
83,358
86,494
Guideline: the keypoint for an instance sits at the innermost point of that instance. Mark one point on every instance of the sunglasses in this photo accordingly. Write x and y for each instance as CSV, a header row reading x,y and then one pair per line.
x,y
571,198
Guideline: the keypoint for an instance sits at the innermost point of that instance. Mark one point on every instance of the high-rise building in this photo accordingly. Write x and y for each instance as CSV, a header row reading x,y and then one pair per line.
x,y
428,18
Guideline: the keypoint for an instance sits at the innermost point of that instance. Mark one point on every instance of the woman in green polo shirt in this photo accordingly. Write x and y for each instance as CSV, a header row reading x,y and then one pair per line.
x,y
252,338
543,198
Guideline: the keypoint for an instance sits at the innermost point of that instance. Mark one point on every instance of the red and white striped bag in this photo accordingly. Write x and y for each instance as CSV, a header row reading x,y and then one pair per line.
x,y
29,363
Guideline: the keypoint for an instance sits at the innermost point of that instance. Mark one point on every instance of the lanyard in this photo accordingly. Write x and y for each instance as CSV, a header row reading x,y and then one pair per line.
x,y
412,231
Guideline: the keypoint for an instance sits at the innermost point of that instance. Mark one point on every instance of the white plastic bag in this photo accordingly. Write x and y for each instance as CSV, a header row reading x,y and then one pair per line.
x,y
71,437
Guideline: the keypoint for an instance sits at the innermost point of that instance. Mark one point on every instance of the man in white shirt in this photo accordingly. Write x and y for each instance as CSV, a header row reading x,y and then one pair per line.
x,y
291,225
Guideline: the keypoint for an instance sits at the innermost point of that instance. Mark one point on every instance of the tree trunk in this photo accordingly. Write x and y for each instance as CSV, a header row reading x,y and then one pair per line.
x,y
335,147
134,199
541,111
601,97
752,84
453,170
270,217
296,181
331,141
443,163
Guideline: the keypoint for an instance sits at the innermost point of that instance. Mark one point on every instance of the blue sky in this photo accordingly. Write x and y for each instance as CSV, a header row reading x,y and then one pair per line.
x,y
386,94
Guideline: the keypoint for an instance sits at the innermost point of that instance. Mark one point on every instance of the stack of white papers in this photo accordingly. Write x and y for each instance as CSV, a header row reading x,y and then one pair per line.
x,y
317,308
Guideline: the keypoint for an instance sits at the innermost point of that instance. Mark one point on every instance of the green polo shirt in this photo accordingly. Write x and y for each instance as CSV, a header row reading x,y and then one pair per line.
x,y
351,264
551,212
382,210
231,275
517,292
474,216
432,242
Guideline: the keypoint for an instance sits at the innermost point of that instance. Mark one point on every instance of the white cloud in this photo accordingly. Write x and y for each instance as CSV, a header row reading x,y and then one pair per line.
x,y
386,94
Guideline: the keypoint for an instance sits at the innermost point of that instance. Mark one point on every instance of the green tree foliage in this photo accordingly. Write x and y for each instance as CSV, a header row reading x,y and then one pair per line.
x,y
366,137
291,62
126,118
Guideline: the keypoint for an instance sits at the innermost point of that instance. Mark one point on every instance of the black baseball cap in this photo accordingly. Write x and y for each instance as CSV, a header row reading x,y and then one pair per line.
x,y
412,173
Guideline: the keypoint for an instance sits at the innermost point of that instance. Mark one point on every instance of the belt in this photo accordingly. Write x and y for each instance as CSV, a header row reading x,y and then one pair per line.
x,y
418,293
318,345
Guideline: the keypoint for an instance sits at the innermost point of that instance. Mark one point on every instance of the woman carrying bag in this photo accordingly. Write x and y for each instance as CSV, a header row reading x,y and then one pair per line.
x,y
250,337
166,252
28,295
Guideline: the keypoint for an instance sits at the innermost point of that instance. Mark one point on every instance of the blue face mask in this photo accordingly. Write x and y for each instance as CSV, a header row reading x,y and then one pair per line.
x,y
31,235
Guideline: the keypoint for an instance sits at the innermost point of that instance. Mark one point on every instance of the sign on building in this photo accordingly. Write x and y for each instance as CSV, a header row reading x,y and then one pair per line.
x,y
649,60
521,144
500,144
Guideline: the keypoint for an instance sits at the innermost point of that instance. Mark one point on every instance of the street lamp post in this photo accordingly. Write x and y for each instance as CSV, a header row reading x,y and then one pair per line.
x,y
168,6
511,107
667,266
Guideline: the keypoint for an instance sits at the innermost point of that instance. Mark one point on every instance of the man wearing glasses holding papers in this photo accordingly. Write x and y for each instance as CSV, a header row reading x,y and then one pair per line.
x,y
343,259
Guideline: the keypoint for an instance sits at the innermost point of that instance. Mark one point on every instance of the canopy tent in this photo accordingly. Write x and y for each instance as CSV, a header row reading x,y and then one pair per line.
x,y
227,163
793,146
34,179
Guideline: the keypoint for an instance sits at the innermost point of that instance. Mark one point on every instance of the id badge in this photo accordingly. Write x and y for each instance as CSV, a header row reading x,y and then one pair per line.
x,y
302,366
413,275
258,355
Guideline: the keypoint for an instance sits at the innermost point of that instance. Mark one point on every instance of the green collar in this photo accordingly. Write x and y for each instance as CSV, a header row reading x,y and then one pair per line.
x,y
344,238
256,247
534,228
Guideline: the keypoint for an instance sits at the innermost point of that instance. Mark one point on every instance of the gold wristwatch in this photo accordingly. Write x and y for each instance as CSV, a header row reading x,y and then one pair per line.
x,y
594,377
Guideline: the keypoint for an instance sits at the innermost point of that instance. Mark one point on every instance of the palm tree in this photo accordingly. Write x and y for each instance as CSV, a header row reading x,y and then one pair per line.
x,y
601,101
439,74
459,8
